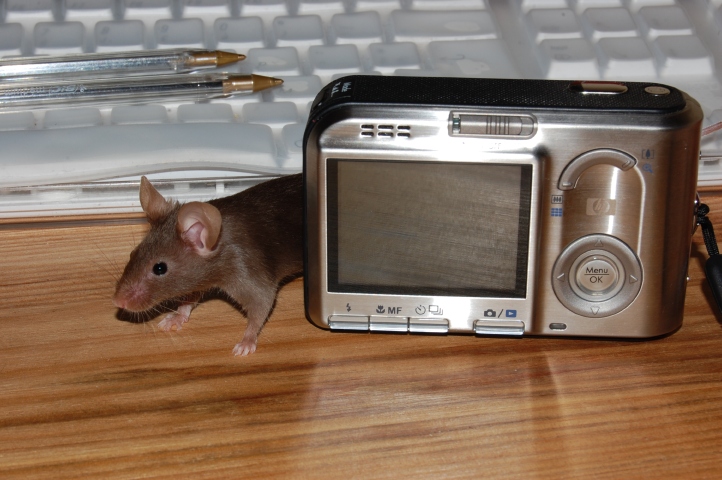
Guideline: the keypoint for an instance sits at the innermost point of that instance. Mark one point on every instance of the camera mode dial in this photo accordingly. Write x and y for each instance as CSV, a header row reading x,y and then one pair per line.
x,y
597,276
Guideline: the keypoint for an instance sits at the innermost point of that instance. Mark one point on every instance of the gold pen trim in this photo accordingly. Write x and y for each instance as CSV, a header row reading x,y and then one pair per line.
x,y
217,58
249,83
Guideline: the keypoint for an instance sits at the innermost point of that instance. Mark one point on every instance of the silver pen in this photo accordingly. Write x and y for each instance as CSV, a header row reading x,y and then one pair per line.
x,y
146,62
141,89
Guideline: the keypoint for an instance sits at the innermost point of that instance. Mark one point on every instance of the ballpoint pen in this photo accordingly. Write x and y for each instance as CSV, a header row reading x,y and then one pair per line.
x,y
140,89
151,62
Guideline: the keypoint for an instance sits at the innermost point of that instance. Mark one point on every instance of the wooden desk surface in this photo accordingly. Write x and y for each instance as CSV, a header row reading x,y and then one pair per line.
x,y
84,393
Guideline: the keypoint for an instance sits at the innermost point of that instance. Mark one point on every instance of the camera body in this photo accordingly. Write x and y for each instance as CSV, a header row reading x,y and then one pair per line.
x,y
499,207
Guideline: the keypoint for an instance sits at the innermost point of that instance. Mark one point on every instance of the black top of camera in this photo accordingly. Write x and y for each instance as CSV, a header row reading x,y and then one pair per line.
x,y
493,92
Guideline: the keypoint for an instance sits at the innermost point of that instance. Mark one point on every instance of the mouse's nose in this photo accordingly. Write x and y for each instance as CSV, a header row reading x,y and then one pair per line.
x,y
119,302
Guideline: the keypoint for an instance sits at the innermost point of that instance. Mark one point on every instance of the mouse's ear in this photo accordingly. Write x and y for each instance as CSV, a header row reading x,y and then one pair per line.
x,y
199,224
154,205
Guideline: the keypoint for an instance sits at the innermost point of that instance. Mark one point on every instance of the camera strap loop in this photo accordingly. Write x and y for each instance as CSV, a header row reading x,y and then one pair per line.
x,y
710,241
713,265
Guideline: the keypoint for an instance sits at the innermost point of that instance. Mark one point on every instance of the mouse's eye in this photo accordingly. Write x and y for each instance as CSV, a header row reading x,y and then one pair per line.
x,y
160,268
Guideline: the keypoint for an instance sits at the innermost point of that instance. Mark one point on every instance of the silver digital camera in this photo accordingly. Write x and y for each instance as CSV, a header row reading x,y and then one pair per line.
x,y
491,206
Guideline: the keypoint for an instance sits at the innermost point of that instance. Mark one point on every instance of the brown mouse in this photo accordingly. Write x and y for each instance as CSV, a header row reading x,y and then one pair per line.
x,y
244,245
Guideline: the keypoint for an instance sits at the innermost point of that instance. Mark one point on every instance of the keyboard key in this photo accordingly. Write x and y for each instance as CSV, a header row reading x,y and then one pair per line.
x,y
423,27
11,39
360,29
179,33
237,102
147,11
118,36
275,115
326,61
89,12
549,23
105,151
29,12
17,121
274,62
526,5
406,72
626,58
472,58
682,55
670,20
582,5
448,4
712,141
292,144
323,8
382,7
267,10
635,5
205,113
207,10
300,90
298,32
608,22
565,59
386,58
138,115
58,38
73,118
239,34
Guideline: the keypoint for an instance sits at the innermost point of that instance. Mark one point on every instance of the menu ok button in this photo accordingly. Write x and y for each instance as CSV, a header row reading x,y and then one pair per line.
x,y
597,275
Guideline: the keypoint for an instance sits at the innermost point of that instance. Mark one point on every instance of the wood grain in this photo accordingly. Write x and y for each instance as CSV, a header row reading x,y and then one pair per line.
x,y
83,393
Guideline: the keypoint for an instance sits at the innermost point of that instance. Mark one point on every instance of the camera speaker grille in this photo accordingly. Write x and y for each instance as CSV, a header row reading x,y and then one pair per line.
x,y
386,130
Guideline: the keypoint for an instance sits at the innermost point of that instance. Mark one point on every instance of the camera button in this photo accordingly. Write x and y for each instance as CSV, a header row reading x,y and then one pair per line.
x,y
389,324
348,322
607,156
657,90
493,327
597,275
598,88
429,325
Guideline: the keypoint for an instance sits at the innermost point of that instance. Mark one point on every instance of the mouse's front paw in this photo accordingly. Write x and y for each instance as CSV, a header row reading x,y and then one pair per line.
x,y
172,320
245,347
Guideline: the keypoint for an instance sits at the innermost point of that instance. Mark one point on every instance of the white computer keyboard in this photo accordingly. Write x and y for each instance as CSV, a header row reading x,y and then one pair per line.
x,y
87,160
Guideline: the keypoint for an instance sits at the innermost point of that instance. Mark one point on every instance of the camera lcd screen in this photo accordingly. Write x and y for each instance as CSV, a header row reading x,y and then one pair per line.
x,y
428,228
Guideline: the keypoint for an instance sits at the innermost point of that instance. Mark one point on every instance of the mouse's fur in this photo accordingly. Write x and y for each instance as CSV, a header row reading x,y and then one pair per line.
x,y
244,245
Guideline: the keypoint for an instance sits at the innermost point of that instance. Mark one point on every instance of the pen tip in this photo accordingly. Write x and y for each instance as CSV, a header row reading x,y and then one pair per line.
x,y
261,82
248,83
225,58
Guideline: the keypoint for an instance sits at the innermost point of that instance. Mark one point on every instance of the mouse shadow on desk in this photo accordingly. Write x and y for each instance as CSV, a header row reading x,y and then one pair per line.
x,y
148,315
701,256
172,305
165,308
